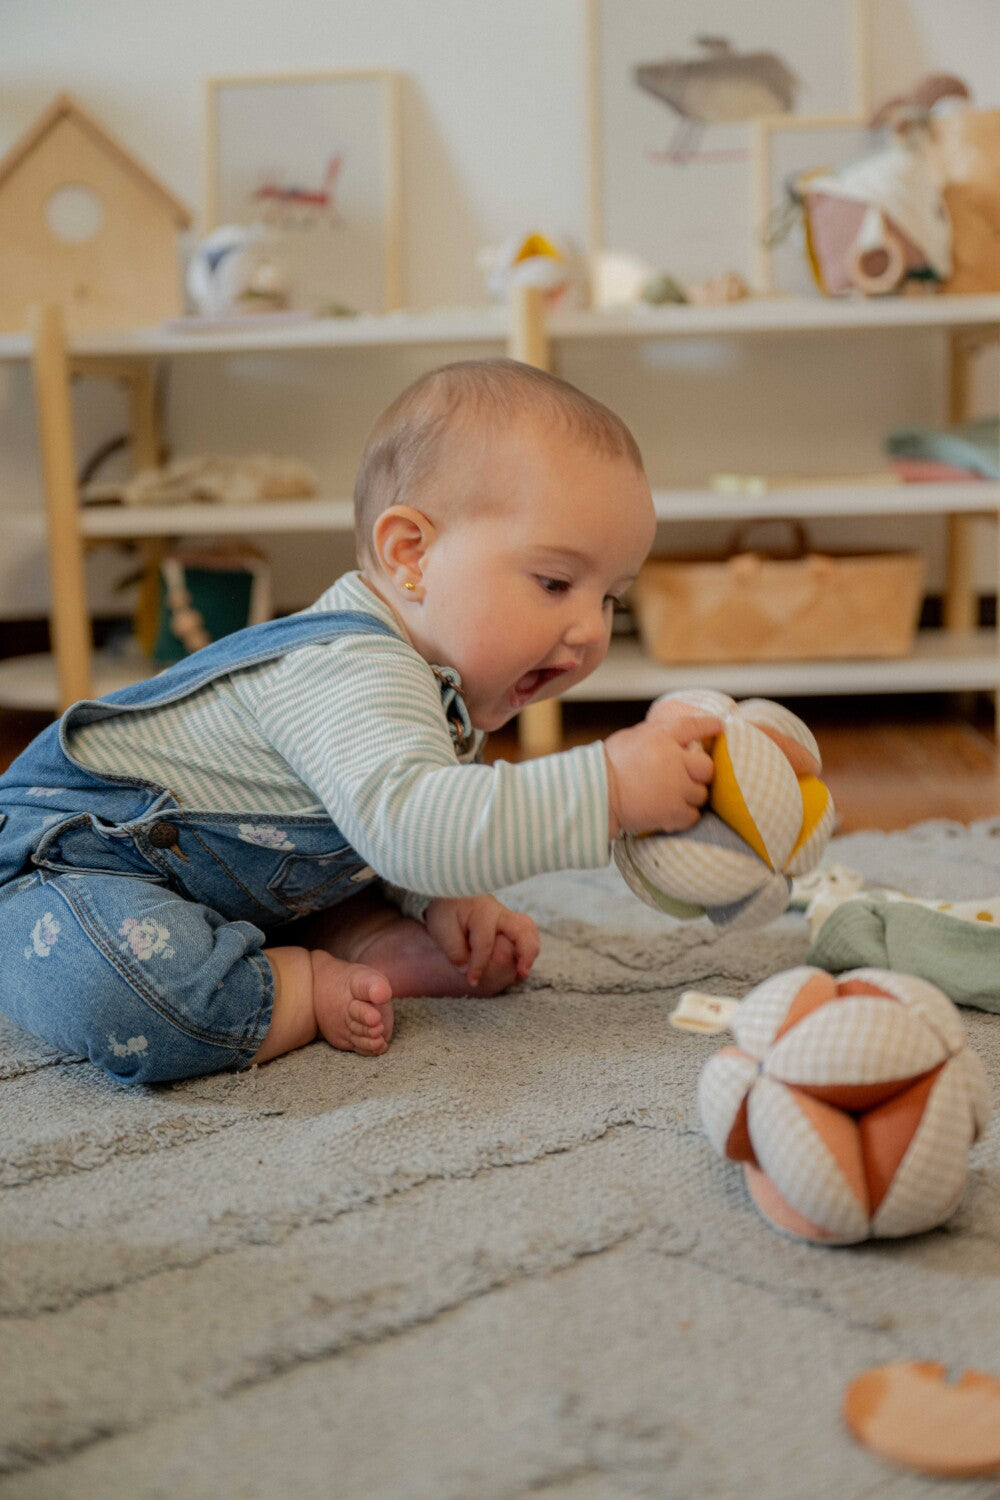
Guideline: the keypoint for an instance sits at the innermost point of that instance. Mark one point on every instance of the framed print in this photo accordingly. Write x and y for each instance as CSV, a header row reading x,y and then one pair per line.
x,y
674,90
312,158
784,150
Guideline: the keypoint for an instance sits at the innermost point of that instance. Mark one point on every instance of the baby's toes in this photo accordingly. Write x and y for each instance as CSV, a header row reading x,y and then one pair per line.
x,y
366,1027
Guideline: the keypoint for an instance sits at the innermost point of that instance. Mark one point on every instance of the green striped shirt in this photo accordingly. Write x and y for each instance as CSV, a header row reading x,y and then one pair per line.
x,y
354,728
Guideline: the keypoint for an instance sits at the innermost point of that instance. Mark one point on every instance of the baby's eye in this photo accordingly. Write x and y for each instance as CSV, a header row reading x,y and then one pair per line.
x,y
553,585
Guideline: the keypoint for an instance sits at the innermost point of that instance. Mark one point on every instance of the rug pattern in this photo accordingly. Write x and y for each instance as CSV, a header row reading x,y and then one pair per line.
x,y
500,1261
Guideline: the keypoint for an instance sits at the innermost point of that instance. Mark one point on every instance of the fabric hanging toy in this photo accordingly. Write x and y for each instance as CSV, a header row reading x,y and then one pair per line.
x,y
852,1102
768,818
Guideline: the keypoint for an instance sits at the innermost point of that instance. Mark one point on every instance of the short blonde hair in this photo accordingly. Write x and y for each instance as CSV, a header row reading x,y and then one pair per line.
x,y
410,437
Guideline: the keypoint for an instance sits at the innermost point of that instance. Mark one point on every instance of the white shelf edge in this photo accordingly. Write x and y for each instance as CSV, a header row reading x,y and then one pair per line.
x,y
479,325
790,314
29,682
941,661
271,516
490,323
808,502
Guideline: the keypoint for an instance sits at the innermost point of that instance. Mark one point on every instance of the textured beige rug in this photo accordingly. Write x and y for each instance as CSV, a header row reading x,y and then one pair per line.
x,y
500,1261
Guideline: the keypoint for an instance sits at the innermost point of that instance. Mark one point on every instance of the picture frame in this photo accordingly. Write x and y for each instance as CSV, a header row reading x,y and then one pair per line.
x,y
312,158
672,169
782,149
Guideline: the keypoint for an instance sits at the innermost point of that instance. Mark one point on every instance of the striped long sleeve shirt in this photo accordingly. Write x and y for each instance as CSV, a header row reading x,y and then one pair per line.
x,y
355,728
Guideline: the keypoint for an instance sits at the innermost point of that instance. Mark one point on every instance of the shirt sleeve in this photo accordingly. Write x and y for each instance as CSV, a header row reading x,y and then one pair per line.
x,y
360,721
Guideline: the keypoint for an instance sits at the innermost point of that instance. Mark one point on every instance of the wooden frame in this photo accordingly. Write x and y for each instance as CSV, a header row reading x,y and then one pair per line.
x,y
315,158
856,140
700,227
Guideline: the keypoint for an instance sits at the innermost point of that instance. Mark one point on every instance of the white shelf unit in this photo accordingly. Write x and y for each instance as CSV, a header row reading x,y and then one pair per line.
x,y
956,659
73,670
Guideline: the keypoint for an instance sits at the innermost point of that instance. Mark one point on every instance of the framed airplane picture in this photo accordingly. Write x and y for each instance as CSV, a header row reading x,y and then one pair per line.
x,y
312,161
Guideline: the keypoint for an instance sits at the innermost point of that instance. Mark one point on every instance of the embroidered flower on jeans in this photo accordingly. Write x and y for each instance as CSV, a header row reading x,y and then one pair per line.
x,y
146,938
134,1045
43,936
265,836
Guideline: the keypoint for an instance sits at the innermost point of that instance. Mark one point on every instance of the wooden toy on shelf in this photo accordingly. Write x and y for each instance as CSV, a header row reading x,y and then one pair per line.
x,y
85,225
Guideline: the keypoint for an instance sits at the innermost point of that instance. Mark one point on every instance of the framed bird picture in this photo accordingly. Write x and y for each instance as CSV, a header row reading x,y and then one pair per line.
x,y
675,91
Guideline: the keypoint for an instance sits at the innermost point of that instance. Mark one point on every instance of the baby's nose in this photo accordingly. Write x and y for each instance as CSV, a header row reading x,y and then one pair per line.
x,y
588,626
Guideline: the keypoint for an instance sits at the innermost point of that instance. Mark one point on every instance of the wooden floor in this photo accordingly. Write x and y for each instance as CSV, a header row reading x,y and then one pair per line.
x,y
888,762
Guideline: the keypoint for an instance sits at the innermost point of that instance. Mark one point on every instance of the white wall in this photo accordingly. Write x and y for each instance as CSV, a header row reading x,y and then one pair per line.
x,y
494,141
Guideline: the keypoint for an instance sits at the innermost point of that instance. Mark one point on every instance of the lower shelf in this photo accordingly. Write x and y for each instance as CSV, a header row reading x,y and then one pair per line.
x,y
942,662
30,681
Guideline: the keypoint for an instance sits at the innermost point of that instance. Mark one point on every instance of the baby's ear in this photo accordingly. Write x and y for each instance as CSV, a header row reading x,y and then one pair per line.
x,y
400,538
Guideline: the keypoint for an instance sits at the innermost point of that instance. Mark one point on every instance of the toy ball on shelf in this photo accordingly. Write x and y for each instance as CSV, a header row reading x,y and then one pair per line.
x,y
768,818
852,1103
531,260
236,270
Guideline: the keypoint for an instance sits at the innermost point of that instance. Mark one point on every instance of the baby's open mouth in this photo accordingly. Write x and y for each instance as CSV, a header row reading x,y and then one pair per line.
x,y
532,682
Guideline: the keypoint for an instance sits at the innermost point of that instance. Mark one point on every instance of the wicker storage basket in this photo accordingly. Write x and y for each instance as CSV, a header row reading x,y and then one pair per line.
x,y
750,606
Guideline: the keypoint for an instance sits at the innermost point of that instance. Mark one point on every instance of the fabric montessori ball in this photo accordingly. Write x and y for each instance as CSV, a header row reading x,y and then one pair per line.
x,y
768,818
852,1103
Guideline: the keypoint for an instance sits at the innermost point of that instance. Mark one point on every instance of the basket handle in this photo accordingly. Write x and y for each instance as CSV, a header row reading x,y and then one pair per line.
x,y
797,548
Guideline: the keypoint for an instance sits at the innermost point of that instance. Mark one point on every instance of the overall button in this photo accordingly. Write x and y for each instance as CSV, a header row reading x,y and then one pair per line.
x,y
163,835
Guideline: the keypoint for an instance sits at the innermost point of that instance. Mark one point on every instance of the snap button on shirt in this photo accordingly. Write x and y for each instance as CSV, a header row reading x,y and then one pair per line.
x,y
163,835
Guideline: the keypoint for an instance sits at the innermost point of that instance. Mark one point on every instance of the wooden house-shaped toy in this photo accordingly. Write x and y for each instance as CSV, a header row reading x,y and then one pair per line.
x,y
83,224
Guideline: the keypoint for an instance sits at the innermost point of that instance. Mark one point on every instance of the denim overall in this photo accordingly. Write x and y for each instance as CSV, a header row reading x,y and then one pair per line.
x,y
130,930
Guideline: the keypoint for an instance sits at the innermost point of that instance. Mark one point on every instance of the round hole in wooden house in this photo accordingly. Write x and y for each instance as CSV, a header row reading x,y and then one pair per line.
x,y
74,213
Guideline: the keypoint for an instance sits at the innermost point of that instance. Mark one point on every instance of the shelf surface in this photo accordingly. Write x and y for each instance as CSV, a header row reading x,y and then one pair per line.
x,y
479,325
807,502
273,516
804,502
942,661
490,323
30,681
778,315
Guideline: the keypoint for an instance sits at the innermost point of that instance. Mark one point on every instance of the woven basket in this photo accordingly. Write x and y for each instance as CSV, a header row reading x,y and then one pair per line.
x,y
749,606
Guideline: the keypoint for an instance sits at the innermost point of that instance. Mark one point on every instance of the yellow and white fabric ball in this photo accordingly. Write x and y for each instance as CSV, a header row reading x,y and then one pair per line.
x,y
852,1103
769,818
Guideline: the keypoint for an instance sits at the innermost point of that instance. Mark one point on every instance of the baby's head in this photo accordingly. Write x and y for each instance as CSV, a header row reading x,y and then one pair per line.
x,y
471,405
500,512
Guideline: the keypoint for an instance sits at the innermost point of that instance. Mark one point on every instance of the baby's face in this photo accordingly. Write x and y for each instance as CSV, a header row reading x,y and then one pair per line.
x,y
542,535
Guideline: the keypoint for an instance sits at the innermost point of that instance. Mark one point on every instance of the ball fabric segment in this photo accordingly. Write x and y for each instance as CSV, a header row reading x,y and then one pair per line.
x,y
769,817
852,1103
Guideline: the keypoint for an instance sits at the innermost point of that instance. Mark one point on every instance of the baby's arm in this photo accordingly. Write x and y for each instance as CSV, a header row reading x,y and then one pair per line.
x,y
484,938
658,773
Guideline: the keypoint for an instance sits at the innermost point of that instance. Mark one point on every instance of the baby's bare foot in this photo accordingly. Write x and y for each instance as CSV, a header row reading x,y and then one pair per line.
x,y
353,1004
415,965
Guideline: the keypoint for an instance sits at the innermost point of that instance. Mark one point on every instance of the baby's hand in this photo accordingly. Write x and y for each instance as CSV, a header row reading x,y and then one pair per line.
x,y
659,773
493,944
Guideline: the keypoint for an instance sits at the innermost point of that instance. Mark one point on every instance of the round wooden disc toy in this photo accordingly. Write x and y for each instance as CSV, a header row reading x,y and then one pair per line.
x,y
911,1414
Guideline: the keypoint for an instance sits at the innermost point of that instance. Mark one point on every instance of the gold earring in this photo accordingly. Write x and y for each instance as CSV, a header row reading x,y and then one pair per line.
x,y
409,585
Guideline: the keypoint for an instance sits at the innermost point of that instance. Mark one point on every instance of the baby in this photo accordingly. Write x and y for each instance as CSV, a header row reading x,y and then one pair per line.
x,y
289,828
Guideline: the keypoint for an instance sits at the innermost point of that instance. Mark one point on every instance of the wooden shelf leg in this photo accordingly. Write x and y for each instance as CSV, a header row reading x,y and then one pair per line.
x,y
960,602
69,615
539,727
